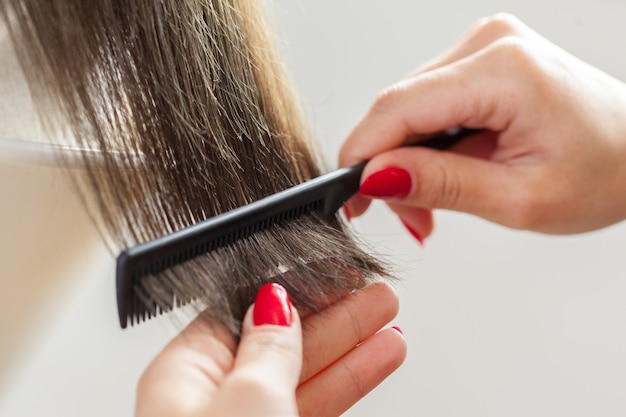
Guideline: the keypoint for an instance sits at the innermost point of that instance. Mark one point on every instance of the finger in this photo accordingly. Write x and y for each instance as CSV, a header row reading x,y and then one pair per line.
x,y
339,328
269,358
270,350
184,375
463,94
479,145
419,222
350,378
456,182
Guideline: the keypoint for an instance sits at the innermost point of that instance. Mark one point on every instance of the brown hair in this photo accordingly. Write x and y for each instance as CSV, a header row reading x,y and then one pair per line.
x,y
189,105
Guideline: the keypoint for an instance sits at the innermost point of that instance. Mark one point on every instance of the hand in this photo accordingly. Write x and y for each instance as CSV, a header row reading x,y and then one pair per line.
x,y
345,357
551,157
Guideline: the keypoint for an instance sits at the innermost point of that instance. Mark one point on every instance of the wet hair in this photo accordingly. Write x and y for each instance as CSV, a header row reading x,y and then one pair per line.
x,y
189,106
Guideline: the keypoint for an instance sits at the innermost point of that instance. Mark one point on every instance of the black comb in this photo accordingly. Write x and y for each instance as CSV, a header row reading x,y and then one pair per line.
x,y
324,194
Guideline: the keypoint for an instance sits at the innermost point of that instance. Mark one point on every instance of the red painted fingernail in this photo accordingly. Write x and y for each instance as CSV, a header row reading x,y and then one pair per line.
x,y
272,306
397,329
414,233
346,213
388,182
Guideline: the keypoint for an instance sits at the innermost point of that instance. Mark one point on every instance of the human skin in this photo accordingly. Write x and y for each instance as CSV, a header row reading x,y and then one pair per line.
x,y
318,369
551,155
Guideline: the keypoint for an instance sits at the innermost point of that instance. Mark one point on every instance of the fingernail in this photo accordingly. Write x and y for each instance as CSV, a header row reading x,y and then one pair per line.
x,y
346,213
272,306
397,329
414,233
389,182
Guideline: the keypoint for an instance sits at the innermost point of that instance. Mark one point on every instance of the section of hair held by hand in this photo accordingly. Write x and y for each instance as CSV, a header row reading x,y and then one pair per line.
x,y
196,90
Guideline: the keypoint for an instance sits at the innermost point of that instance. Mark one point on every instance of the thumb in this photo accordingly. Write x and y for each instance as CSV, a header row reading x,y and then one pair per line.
x,y
426,178
269,357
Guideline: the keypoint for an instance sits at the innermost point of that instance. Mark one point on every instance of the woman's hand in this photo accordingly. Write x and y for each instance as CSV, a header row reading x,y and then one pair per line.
x,y
202,373
551,158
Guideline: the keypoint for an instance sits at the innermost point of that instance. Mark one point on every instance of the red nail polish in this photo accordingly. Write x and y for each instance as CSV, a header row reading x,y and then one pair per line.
x,y
388,182
414,233
397,329
272,306
346,213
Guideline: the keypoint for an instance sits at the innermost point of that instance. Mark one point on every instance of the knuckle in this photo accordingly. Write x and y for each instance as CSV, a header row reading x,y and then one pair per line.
x,y
386,99
315,353
355,323
451,186
358,384
152,395
389,298
392,294
443,187
497,25
517,61
512,53
147,378
269,342
255,388
274,347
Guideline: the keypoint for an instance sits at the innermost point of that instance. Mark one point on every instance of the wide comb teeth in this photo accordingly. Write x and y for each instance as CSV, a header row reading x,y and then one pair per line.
x,y
143,309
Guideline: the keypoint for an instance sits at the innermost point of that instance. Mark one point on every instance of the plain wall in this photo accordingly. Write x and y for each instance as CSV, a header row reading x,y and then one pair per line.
x,y
498,322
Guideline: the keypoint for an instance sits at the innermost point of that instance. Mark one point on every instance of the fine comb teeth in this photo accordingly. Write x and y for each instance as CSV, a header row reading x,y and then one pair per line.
x,y
324,194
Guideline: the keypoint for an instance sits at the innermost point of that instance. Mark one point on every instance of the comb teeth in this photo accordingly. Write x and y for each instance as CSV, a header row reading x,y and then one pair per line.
x,y
210,244
142,308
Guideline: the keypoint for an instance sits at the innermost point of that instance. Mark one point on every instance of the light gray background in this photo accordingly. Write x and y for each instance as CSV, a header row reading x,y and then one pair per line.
x,y
498,322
